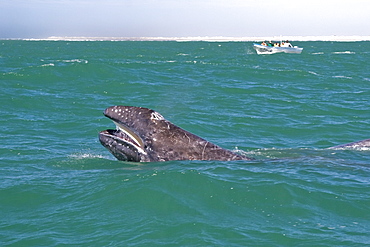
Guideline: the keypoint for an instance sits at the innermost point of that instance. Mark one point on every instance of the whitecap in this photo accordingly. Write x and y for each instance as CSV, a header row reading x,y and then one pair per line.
x,y
344,52
342,77
48,65
75,61
313,73
13,73
80,156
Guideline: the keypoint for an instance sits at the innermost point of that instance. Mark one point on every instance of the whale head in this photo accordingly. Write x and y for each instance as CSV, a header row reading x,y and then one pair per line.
x,y
144,135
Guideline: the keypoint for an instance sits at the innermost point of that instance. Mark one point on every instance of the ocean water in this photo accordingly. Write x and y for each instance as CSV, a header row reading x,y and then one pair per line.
x,y
59,186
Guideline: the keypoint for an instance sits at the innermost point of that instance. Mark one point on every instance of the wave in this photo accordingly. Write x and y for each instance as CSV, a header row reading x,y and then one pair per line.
x,y
48,65
52,63
344,52
313,73
80,156
342,77
317,53
74,61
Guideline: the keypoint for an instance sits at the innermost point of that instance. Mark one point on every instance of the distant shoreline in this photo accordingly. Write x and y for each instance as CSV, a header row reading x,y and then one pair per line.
x,y
208,39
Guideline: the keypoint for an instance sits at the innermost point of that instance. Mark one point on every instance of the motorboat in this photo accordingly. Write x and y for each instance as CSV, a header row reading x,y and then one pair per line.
x,y
277,48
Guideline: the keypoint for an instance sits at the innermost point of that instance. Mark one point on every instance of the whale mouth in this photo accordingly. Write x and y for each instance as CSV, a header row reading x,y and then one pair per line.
x,y
124,134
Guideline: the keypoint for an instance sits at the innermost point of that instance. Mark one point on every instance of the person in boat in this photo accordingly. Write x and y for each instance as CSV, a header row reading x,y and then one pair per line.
x,y
264,43
270,44
277,45
286,44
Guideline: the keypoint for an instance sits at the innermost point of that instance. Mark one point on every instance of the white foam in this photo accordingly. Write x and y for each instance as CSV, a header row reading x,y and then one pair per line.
x,y
80,156
342,77
313,73
344,52
75,61
48,65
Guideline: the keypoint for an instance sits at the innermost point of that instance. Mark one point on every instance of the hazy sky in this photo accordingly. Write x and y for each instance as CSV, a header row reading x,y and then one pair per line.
x,y
182,18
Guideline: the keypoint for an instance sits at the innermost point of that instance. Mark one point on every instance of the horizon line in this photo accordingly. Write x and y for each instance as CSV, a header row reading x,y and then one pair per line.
x,y
343,38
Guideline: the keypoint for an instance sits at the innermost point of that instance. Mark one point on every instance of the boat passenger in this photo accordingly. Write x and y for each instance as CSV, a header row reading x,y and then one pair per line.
x,y
270,44
264,43
276,45
286,44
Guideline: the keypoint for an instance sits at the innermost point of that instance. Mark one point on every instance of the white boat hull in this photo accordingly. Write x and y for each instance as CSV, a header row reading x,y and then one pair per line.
x,y
262,49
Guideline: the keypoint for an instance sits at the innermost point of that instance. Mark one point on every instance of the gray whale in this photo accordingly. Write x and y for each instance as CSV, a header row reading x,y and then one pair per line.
x,y
354,145
144,135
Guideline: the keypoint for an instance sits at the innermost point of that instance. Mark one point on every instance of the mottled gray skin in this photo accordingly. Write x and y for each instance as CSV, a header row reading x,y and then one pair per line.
x,y
156,139
354,145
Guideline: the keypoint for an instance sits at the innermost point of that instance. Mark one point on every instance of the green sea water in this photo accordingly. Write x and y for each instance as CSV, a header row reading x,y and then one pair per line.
x,y
60,187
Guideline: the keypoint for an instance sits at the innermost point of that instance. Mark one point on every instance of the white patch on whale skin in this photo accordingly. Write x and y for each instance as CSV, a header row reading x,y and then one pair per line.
x,y
156,116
